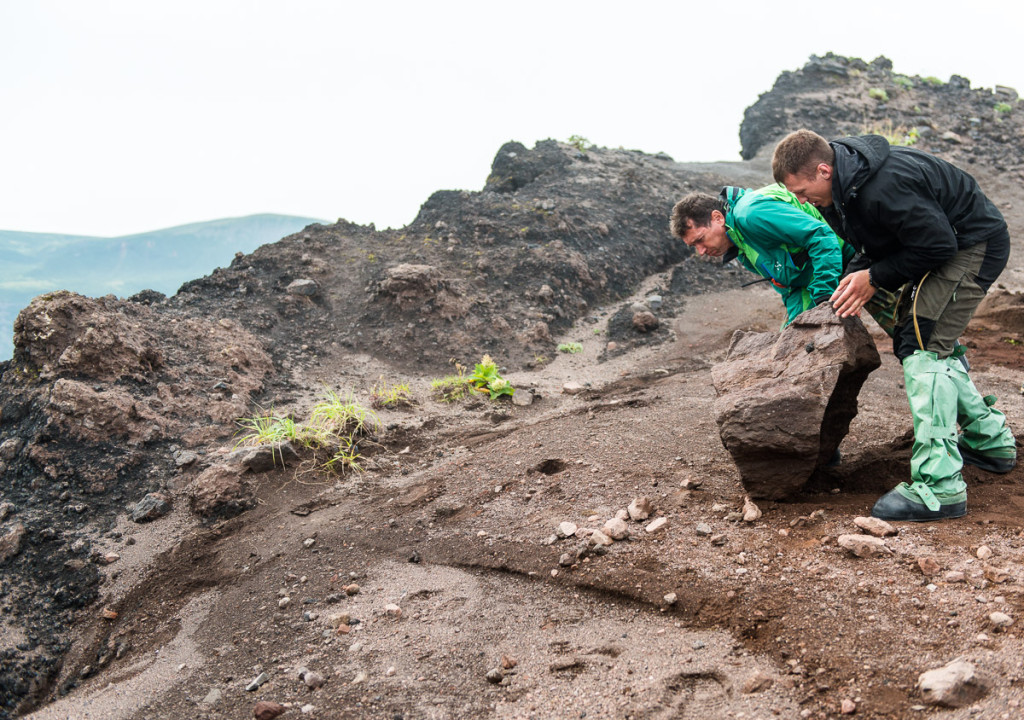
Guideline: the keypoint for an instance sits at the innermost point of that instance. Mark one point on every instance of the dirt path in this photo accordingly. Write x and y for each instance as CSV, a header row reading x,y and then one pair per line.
x,y
455,533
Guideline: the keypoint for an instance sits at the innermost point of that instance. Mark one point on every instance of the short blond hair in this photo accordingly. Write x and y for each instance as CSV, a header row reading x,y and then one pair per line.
x,y
799,153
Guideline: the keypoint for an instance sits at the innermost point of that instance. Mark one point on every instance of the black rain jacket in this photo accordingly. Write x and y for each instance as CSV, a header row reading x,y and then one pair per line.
x,y
907,211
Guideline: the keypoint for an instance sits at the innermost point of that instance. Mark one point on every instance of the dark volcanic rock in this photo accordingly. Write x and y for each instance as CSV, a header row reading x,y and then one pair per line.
x,y
837,96
786,399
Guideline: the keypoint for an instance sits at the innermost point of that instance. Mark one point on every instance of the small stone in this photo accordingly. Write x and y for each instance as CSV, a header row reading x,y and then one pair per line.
x,y
719,508
360,678
702,529
150,507
955,685
612,346
719,540
390,672
640,509
309,542
644,321
670,599
875,526
284,602
313,680
656,525
751,511
303,286
984,552
955,576
691,483
622,514
554,573
757,682
599,538
616,529
257,682
994,574
929,565
393,610
572,388
494,676
307,709
1000,620
566,529
864,546
266,710
213,697
507,663
733,516
566,559
352,589
108,614
848,707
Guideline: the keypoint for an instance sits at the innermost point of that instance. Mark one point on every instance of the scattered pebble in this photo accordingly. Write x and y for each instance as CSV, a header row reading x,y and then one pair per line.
x,y
875,526
616,529
656,525
864,546
257,682
848,707
266,710
1000,620
494,676
566,529
703,529
670,599
929,565
984,552
640,509
751,511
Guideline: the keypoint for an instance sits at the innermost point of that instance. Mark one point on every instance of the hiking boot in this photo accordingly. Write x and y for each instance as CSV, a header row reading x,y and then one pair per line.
x,y
904,503
987,461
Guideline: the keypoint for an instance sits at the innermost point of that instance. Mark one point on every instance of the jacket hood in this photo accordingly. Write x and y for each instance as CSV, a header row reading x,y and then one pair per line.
x,y
857,159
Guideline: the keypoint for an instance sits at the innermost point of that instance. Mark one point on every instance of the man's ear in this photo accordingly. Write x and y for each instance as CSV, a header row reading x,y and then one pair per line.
x,y
826,170
717,217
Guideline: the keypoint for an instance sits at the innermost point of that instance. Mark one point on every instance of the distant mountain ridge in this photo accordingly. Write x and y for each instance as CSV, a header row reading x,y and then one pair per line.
x,y
161,260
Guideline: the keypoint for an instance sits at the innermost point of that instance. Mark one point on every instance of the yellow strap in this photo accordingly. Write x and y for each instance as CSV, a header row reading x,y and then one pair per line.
x,y
913,311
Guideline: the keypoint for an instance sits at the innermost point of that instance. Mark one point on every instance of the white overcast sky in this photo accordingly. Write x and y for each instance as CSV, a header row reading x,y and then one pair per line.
x,y
121,116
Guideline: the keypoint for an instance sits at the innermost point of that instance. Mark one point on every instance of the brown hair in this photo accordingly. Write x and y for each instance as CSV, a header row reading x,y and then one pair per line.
x,y
696,208
799,153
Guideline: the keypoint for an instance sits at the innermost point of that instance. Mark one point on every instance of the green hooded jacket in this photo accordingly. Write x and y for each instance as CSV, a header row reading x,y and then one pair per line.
x,y
787,242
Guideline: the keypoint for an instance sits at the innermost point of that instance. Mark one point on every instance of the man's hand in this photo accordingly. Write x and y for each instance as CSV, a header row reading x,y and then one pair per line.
x,y
854,290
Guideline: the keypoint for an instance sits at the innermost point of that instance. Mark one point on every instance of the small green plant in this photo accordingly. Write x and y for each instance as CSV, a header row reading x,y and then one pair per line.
x,y
932,80
452,387
487,379
579,142
598,331
903,81
334,425
1001,107
385,395
878,94
540,359
898,135
572,348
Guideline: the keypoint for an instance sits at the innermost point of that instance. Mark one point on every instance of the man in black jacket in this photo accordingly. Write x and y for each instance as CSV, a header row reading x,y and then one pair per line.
x,y
924,228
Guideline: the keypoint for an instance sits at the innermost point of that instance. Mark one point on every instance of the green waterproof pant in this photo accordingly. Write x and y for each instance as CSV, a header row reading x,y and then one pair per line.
x,y
941,395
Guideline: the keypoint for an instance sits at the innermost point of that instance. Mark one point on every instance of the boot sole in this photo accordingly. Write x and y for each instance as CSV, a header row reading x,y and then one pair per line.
x,y
954,511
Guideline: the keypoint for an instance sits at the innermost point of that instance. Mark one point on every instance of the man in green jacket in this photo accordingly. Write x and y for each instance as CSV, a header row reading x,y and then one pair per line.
x,y
776,236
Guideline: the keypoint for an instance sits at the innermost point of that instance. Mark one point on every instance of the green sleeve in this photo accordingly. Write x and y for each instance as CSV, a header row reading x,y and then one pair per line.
x,y
783,225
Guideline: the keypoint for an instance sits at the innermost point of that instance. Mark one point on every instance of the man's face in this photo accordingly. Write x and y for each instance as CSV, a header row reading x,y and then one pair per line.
x,y
814,187
711,240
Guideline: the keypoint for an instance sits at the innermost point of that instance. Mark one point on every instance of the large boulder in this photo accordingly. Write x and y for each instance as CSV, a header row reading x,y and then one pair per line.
x,y
785,400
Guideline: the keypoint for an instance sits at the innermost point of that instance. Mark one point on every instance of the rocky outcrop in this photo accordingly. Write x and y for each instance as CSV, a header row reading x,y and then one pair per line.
x,y
946,117
785,400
